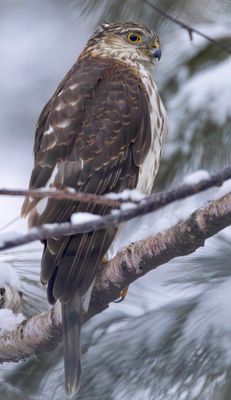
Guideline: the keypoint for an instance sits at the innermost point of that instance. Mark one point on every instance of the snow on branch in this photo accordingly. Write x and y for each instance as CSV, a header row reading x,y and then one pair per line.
x,y
131,206
10,298
42,332
132,196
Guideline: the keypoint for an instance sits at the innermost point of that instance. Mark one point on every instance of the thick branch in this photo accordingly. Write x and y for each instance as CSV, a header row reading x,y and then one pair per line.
x,y
11,298
42,332
143,207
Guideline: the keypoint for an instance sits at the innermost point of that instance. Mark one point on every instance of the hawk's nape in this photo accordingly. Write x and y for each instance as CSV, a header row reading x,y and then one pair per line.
x,y
96,135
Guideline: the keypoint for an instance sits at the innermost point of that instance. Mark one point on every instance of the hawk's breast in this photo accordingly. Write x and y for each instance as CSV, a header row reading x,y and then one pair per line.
x,y
159,129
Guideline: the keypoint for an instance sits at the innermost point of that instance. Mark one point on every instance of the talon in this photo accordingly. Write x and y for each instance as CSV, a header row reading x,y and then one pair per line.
x,y
104,260
123,294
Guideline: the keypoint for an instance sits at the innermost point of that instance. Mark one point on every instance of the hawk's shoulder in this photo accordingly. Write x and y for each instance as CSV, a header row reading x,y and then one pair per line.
x,y
98,112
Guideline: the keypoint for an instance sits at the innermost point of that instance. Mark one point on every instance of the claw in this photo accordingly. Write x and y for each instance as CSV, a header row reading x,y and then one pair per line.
x,y
123,294
104,260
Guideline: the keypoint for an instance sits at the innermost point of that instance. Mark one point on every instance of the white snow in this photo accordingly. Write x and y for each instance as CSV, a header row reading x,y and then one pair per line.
x,y
208,91
196,177
127,206
8,275
132,195
215,305
8,320
82,217
115,212
222,190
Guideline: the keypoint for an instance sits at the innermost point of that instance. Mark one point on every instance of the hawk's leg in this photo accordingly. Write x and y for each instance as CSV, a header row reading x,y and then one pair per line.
x,y
104,260
123,294
124,291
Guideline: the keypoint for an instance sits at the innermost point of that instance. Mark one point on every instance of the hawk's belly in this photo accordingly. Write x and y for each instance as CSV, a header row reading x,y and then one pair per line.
x,y
159,129
150,166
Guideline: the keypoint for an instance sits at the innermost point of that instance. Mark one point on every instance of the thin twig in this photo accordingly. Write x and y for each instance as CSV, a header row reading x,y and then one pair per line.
x,y
42,232
159,199
63,194
188,28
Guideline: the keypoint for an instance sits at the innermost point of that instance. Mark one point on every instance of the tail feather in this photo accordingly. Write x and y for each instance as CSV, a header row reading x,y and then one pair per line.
x,y
71,316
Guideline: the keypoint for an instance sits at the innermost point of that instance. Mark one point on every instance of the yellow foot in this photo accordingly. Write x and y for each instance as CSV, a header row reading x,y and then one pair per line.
x,y
104,260
123,294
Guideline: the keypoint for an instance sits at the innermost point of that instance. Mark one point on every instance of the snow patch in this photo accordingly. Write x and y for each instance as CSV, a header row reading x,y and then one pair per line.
x,y
8,275
196,177
8,320
81,217
127,206
133,195
210,91
223,190
215,327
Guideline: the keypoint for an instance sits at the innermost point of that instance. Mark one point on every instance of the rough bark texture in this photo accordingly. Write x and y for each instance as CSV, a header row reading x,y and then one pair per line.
x,y
144,255
32,336
42,332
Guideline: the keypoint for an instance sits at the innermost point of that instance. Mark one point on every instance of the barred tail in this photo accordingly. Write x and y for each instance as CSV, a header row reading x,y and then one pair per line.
x,y
71,339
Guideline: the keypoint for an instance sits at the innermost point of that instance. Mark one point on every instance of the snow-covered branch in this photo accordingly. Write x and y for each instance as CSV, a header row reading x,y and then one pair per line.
x,y
115,200
131,205
10,298
42,332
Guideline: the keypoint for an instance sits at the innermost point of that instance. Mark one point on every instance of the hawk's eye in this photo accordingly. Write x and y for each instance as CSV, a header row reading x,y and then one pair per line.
x,y
134,37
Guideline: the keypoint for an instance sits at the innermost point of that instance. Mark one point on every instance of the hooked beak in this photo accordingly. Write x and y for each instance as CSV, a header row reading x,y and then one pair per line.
x,y
156,53
154,48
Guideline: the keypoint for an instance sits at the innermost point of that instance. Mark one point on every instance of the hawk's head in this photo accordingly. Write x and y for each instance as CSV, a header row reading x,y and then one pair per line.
x,y
127,40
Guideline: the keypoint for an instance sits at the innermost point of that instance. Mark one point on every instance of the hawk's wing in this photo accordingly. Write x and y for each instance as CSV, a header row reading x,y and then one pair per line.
x,y
92,135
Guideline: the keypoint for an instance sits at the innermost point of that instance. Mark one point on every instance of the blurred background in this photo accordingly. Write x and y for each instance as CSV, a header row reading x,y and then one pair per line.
x,y
171,337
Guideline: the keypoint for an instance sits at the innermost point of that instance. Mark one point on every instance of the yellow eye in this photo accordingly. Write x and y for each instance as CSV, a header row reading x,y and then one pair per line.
x,y
134,37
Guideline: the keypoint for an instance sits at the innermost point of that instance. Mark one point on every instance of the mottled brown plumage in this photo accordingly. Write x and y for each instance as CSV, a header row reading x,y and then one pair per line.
x,y
109,135
99,132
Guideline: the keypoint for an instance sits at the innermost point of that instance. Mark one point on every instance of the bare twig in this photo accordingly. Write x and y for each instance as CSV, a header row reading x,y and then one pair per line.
x,y
64,194
146,206
42,332
160,199
141,207
188,28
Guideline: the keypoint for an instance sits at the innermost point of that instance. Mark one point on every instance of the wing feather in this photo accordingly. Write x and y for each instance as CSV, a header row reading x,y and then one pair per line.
x,y
92,135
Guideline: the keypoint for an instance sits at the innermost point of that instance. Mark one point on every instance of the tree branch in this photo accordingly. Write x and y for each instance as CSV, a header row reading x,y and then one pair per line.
x,y
115,200
188,28
131,210
42,332
10,298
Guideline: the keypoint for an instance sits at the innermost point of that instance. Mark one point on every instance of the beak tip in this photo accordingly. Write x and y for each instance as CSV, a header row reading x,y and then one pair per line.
x,y
156,53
